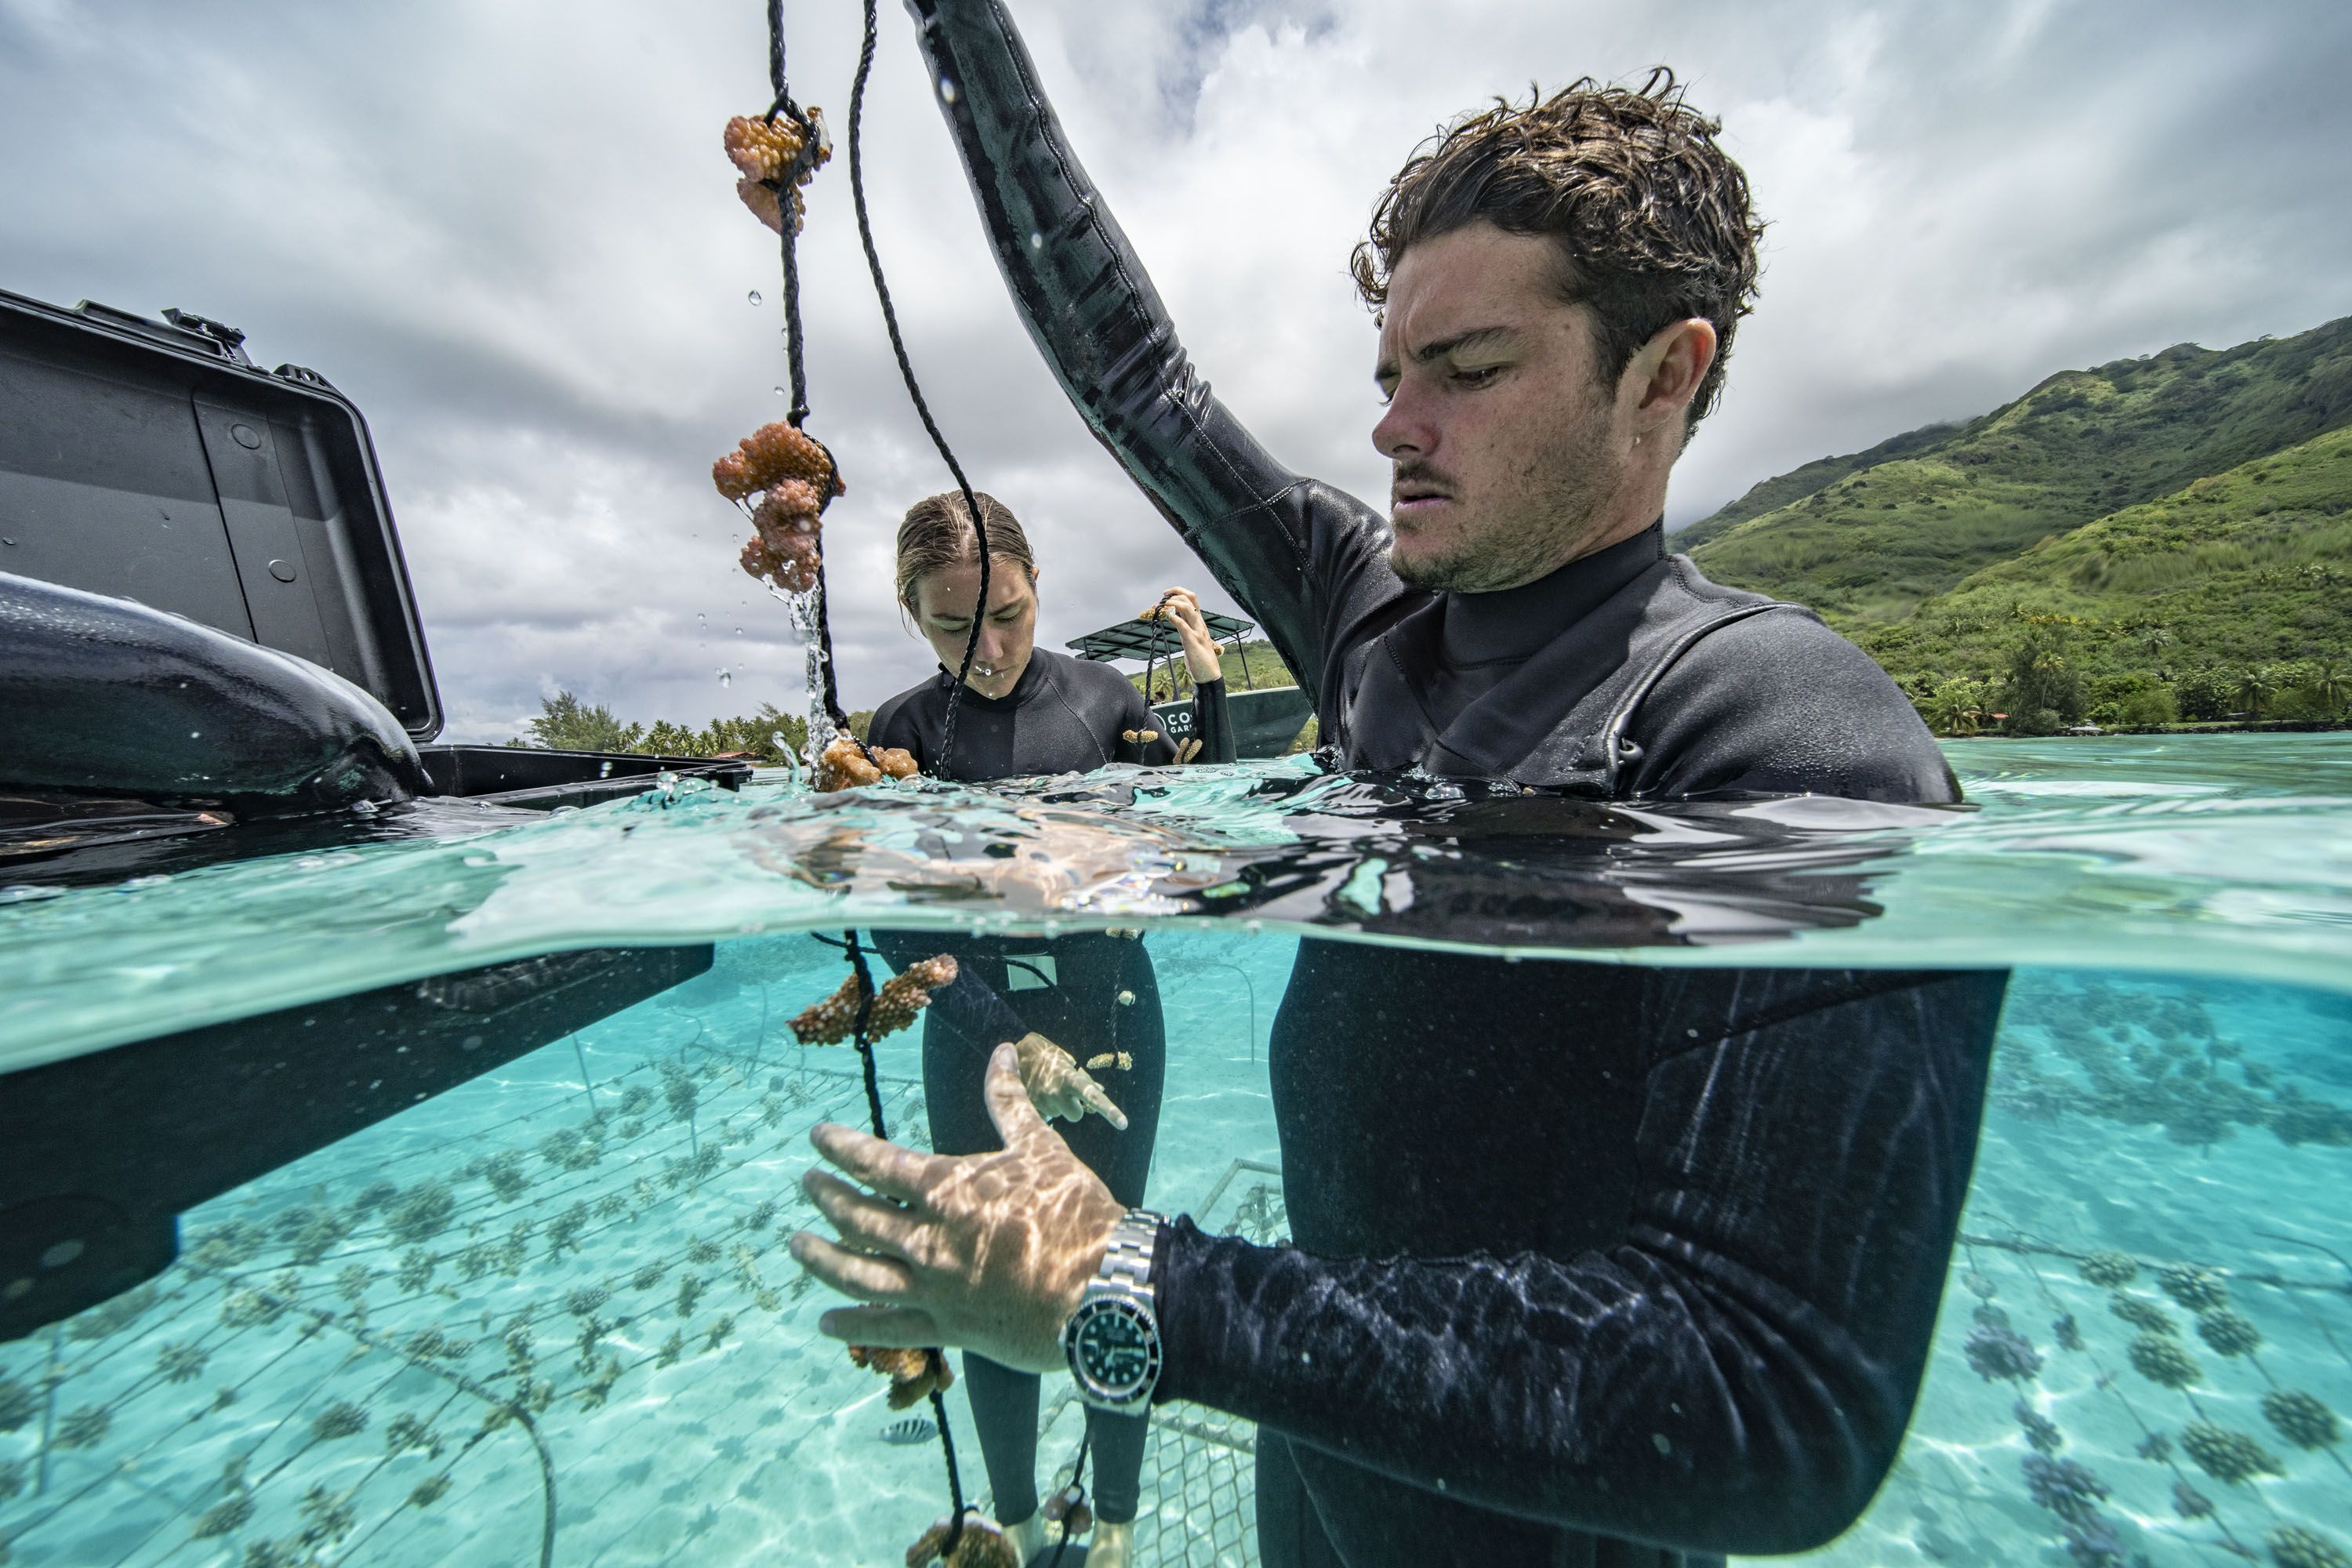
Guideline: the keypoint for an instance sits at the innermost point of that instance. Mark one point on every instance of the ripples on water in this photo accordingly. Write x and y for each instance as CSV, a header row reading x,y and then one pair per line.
x,y
592,1231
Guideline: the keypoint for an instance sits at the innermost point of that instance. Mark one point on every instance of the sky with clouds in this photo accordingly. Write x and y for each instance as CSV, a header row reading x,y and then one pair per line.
x,y
507,232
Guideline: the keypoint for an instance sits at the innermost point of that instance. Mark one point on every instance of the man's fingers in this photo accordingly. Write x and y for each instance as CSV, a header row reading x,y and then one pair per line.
x,y
857,1274
894,1171
865,1221
1101,1101
910,1328
1008,1100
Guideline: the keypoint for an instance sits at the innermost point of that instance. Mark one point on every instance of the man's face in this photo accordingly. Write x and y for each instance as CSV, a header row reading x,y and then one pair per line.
x,y
1504,439
944,597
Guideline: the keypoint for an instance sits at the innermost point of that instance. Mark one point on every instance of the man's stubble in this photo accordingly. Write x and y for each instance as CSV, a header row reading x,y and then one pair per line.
x,y
1553,514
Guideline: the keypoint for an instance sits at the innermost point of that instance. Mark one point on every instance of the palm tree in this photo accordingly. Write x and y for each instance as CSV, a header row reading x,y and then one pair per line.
x,y
2330,684
2156,639
2257,684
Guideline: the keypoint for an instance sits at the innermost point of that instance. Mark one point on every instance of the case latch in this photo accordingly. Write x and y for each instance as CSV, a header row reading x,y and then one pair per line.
x,y
230,339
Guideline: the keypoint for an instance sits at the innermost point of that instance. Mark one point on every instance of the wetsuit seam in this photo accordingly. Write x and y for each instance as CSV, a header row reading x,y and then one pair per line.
x,y
1620,718
1888,983
1054,680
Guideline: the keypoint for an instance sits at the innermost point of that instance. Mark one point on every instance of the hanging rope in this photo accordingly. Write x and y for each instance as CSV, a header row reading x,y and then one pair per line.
x,y
795,355
906,373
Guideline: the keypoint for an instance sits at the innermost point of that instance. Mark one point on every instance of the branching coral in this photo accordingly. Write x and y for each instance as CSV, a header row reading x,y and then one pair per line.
x,y
341,1419
2300,1417
2063,1487
2108,1269
2229,1332
798,478
2160,1359
182,1362
2141,1314
1996,1352
231,1513
2227,1455
2042,1434
84,1428
19,1403
913,1373
2199,1289
765,152
982,1544
900,997
2066,1332
847,765
2293,1546
422,1213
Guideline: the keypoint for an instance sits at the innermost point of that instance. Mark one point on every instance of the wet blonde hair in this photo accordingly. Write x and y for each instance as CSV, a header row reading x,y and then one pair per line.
x,y
937,531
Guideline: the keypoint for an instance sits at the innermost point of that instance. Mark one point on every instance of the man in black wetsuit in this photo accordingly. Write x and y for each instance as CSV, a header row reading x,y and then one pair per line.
x,y
1592,1264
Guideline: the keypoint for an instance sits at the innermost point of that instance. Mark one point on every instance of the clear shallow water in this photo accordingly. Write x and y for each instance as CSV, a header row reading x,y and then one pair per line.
x,y
2160,1091
2223,854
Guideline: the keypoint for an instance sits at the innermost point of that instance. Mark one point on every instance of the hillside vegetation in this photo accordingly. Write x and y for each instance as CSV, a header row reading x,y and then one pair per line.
x,y
2152,540
1866,538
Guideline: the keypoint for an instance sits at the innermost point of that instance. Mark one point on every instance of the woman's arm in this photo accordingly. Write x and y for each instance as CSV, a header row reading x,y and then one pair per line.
x,y
1736,1375
1212,728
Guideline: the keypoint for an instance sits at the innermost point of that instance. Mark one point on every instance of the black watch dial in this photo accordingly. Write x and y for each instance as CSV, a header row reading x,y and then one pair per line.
x,y
1116,1347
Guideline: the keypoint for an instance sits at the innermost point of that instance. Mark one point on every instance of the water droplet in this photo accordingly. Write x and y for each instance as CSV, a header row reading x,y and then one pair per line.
x,y
1037,240
738,631
700,619
753,296
195,735
725,679
782,393
946,89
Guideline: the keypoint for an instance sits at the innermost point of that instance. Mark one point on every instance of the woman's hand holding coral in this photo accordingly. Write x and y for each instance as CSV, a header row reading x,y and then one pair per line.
x,y
987,1251
1058,1086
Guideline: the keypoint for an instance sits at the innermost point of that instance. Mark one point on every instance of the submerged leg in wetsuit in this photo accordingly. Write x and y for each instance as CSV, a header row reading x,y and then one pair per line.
x,y
1080,1011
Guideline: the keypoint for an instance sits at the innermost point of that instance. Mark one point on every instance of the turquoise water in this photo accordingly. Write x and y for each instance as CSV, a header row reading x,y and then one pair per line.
x,y
331,1366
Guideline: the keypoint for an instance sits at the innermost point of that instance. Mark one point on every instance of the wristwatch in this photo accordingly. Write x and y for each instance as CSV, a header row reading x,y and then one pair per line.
x,y
1113,1338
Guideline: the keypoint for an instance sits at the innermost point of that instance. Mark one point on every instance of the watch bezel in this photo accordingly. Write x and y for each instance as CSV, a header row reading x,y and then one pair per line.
x,y
1132,1392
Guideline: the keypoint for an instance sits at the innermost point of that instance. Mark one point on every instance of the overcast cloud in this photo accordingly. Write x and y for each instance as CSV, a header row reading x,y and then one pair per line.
x,y
507,231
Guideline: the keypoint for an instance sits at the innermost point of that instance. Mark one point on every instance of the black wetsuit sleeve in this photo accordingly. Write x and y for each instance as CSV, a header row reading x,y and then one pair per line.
x,y
1309,563
974,1008
1736,1375
1779,704
1212,723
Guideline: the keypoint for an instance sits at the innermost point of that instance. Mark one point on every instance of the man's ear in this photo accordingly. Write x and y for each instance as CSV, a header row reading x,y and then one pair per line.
x,y
1667,373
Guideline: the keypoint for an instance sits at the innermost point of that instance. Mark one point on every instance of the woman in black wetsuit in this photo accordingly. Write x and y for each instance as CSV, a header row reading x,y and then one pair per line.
x,y
1066,1000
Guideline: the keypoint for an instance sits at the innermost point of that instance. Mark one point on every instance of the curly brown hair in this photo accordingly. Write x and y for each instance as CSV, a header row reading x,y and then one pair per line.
x,y
1651,216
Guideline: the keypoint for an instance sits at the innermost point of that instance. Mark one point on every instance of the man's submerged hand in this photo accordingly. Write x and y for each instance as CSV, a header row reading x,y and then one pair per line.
x,y
987,1251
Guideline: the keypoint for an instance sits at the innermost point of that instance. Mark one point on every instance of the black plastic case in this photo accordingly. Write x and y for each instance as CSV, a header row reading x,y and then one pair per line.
x,y
155,461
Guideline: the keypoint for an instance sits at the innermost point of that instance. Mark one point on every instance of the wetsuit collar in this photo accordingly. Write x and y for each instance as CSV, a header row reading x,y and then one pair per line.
x,y
1033,680
1514,624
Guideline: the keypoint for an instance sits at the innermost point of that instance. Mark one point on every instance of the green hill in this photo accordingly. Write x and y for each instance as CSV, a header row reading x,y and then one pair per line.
x,y
2236,576
1865,538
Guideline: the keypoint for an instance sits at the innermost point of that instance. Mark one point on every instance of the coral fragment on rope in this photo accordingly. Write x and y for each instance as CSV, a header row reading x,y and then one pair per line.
x,y
899,998
913,1373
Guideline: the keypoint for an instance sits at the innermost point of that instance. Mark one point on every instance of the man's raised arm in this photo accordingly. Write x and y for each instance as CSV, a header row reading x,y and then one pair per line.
x,y
1303,559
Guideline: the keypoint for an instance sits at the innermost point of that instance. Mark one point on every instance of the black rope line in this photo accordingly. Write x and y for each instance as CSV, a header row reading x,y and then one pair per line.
x,y
906,373
785,186
1078,1471
856,952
